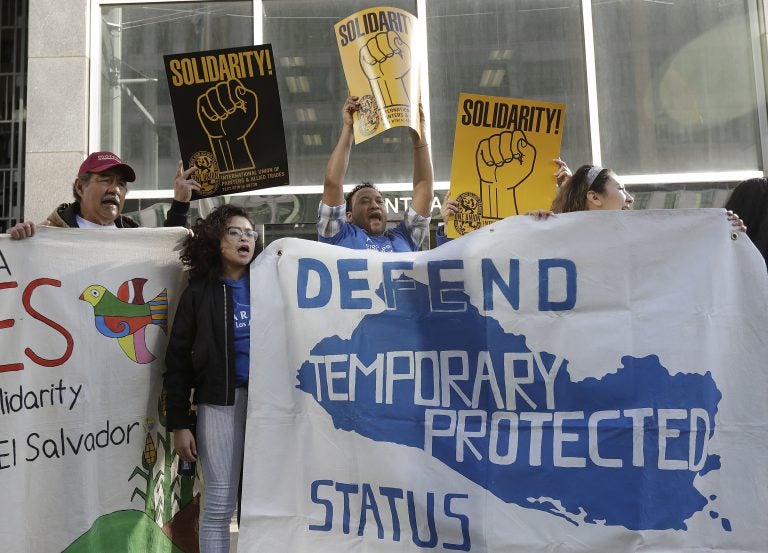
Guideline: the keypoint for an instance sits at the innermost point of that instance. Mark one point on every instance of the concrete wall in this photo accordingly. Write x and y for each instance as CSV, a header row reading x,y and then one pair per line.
x,y
57,102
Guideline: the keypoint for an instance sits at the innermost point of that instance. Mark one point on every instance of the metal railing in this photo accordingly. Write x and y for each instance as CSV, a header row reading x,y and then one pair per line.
x,y
13,93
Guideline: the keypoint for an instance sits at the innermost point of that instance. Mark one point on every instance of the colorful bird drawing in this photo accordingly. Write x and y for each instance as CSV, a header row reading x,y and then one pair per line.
x,y
125,316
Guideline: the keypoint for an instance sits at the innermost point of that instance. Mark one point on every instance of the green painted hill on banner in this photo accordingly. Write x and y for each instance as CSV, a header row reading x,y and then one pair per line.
x,y
124,532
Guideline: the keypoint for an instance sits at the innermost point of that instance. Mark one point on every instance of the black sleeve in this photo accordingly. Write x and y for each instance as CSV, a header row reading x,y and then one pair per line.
x,y
177,215
178,376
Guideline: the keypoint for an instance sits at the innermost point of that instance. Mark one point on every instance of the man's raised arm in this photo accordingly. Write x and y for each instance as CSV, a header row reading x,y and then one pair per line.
x,y
423,179
333,192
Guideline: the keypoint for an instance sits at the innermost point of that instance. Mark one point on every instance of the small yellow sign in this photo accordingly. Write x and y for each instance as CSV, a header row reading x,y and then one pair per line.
x,y
380,54
502,159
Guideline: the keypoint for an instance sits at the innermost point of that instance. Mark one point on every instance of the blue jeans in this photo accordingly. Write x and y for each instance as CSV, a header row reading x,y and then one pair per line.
x,y
220,437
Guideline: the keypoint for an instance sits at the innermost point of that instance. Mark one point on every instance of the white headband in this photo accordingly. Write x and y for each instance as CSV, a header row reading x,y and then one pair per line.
x,y
592,174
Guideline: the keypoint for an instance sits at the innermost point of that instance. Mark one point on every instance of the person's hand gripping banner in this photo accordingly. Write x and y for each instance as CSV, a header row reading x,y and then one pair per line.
x,y
378,49
227,112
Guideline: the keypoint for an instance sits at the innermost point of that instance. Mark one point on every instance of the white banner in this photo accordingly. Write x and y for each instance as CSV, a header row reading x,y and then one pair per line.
x,y
594,382
85,460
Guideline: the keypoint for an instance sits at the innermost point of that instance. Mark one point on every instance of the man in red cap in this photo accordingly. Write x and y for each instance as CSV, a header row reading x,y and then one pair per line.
x,y
99,191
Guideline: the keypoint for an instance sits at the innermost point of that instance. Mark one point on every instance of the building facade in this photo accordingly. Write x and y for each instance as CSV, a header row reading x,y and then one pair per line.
x,y
13,68
670,94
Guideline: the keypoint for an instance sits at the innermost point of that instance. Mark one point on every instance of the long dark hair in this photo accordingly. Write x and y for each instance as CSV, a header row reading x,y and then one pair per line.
x,y
749,200
572,196
201,251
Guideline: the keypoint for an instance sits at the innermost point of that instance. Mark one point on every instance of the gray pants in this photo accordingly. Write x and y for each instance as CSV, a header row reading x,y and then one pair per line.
x,y
220,437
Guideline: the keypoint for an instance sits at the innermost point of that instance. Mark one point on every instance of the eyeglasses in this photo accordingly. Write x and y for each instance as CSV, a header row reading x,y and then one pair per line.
x,y
236,233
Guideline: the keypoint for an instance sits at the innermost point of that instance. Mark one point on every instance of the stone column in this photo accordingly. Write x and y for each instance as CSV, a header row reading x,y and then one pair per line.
x,y
57,102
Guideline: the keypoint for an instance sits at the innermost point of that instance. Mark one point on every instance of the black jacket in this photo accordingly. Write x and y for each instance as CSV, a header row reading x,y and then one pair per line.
x,y
66,216
201,351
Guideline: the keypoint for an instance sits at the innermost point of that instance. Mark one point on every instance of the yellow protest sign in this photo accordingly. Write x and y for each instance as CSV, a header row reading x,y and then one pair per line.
x,y
502,159
379,52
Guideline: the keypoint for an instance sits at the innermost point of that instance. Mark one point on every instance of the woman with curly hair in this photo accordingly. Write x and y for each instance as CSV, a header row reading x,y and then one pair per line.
x,y
208,358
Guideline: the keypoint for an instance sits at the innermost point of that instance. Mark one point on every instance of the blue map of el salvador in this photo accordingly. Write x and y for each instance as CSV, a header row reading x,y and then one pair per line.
x,y
649,441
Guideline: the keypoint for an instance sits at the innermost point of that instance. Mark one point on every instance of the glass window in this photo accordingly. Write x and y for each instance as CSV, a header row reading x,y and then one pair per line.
x,y
675,86
531,49
136,115
313,90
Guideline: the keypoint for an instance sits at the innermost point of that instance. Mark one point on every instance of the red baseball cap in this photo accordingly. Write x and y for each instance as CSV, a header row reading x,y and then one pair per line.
x,y
98,162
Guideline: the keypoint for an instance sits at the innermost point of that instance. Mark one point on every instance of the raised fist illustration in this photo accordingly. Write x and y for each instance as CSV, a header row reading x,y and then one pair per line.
x,y
503,161
386,62
227,113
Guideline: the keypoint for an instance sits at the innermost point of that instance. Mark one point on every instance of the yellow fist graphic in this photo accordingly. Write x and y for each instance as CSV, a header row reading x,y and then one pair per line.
x,y
503,162
227,113
386,62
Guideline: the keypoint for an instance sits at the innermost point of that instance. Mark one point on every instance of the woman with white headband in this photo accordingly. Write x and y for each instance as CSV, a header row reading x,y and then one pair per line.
x,y
591,187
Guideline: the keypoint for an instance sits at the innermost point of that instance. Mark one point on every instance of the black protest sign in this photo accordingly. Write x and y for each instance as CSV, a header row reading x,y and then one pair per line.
x,y
227,111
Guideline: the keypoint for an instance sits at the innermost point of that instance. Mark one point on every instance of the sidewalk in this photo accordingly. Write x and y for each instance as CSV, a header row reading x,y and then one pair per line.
x,y
233,534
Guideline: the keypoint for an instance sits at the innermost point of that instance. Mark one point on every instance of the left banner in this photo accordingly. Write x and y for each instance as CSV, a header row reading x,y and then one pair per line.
x,y
85,460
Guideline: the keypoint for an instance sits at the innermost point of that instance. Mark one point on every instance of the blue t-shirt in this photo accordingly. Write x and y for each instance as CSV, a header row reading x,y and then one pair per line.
x,y
407,236
241,297
352,236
